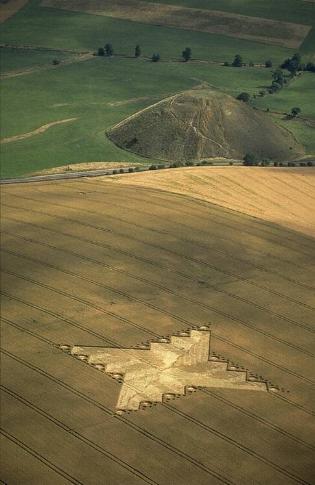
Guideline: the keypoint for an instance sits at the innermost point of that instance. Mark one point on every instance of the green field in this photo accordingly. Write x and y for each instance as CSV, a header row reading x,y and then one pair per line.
x,y
101,92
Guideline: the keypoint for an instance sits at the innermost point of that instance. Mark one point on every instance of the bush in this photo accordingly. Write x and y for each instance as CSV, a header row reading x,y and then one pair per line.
x,y
238,61
137,169
130,169
245,97
160,166
56,62
231,163
302,164
268,63
101,51
121,170
309,164
155,58
109,50
226,63
275,164
115,172
250,159
152,167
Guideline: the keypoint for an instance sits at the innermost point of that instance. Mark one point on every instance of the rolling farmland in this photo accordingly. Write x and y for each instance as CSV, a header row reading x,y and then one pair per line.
x,y
111,264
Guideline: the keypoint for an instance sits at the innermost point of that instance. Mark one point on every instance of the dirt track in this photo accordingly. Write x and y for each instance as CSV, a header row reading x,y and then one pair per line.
x,y
38,131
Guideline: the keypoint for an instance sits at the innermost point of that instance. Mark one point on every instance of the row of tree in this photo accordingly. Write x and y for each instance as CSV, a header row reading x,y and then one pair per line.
x,y
108,51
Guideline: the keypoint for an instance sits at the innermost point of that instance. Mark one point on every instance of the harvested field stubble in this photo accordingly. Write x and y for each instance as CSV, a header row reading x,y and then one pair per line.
x,y
98,263
212,21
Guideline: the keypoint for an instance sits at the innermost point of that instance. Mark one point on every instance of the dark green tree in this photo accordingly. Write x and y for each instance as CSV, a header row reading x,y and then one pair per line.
x,y
250,159
245,97
137,51
278,77
238,61
155,58
293,64
109,50
186,54
268,63
101,51
295,112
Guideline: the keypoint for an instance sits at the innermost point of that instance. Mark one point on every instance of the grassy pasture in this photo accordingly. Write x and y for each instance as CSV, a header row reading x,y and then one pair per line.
x,y
102,92
20,59
87,91
82,267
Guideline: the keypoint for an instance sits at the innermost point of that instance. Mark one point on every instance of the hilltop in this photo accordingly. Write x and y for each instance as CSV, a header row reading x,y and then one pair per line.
x,y
203,123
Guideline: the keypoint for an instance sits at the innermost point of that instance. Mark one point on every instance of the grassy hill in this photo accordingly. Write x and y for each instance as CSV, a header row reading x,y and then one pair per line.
x,y
200,124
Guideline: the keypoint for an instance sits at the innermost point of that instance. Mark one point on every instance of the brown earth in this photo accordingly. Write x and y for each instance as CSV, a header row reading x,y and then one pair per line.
x,y
9,8
111,264
280,195
212,21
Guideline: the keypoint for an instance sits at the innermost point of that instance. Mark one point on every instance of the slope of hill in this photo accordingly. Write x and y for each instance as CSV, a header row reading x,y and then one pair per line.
x,y
281,195
203,123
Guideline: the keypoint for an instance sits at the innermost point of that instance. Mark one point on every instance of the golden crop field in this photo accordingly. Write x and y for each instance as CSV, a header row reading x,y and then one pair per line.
x,y
115,263
281,195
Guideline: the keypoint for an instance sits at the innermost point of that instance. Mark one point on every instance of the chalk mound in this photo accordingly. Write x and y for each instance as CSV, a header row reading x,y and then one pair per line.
x,y
200,124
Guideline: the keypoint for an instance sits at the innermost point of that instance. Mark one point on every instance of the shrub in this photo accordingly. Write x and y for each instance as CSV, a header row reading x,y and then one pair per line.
x,y
160,166
121,170
275,164
155,58
101,51
268,63
231,163
115,172
226,63
250,159
189,164
137,169
245,97
109,50
130,169
56,62
152,167
302,164
309,164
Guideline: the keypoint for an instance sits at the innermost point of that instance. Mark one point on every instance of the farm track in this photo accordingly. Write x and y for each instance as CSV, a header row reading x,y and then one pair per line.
x,y
201,304
233,275
224,212
175,317
39,457
78,436
164,232
127,422
211,430
213,394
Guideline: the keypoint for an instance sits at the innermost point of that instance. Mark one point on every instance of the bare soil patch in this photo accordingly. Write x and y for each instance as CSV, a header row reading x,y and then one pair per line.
x,y
9,8
283,196
38,131
211,21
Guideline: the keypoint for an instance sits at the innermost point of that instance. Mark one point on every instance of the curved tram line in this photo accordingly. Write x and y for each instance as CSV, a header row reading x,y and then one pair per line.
x,y
107,287
155,335
127,422
213,394
164,267
39,457
154,307
218,434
